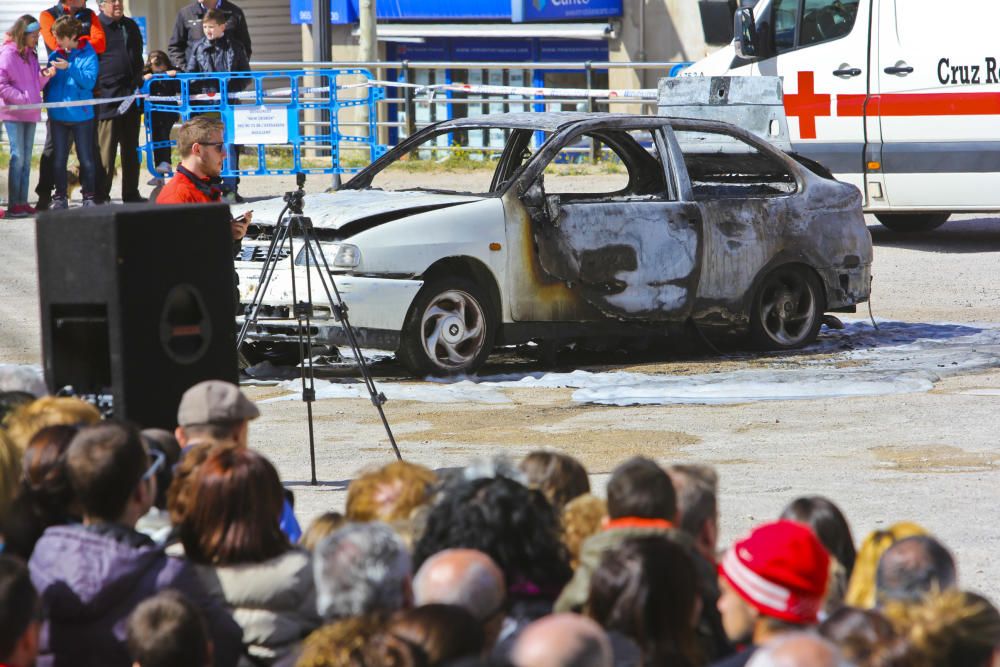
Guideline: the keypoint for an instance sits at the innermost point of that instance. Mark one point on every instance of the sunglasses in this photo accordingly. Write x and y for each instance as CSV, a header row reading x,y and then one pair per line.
x,y
159,458
220,146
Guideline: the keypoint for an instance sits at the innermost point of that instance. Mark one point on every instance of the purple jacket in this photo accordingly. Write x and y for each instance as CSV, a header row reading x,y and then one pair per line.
x,y
20,83
91,578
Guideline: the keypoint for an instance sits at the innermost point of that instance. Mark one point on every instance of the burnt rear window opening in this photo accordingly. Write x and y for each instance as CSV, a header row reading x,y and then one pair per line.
x,y
722,166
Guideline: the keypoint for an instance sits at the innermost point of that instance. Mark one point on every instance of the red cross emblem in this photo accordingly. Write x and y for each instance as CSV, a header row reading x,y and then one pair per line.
x,y
807,105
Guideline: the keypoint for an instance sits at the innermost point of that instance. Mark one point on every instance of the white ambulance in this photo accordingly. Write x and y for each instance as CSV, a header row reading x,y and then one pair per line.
x,y
898,97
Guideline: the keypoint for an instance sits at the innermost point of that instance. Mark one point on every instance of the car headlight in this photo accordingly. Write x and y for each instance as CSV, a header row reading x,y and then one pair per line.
x,y
339,255
347,256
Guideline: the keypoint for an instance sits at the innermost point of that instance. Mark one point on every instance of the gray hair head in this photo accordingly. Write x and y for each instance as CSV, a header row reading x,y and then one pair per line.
x,y
799,649
913,567
22,378
498,466
360,569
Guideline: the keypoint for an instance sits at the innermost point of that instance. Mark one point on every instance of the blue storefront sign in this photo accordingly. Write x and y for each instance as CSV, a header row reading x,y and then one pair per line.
x,y
346,11
562,10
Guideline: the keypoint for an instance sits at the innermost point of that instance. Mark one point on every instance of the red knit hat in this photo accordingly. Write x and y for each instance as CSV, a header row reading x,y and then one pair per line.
x,y
780,568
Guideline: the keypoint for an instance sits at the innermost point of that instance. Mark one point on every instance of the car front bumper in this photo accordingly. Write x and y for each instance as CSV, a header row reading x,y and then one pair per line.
x,y
376,308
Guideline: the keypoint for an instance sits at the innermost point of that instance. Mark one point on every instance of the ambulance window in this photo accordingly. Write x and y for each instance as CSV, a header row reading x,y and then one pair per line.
x,y
786,16
823,20
721,166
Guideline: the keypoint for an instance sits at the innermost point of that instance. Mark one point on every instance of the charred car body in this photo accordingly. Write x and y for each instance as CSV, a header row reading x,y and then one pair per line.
x,y
703,223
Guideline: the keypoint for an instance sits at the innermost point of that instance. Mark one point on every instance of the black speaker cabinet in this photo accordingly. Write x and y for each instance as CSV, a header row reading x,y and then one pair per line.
x,y
137,303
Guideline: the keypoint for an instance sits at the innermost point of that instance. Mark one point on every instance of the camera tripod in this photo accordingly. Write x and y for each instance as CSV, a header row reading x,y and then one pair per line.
x,y
295,223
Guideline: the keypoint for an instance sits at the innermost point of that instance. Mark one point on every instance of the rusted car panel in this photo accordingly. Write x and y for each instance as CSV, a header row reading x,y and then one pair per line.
x,y
744,240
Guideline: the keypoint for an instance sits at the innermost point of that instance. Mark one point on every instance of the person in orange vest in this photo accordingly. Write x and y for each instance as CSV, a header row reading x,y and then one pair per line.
x,y
94,31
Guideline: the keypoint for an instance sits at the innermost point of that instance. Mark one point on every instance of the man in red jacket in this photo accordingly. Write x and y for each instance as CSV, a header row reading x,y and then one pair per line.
x,y
197,181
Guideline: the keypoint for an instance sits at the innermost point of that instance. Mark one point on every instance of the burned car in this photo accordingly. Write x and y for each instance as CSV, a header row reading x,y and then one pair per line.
x,y
699,223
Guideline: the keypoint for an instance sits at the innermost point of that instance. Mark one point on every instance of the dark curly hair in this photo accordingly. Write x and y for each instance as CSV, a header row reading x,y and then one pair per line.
x,y
513,525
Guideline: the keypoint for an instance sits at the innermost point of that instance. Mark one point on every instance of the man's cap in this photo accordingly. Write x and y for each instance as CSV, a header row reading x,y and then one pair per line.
x,y
780,568
214,401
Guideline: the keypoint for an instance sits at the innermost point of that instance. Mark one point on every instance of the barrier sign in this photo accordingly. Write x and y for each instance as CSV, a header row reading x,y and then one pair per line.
x,y
260,125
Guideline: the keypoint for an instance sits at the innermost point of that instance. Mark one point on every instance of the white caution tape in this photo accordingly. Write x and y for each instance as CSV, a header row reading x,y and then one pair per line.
x,y
74,103
125,102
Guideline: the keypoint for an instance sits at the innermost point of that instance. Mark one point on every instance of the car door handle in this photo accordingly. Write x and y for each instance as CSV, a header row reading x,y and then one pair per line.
x,y
850,71
898,69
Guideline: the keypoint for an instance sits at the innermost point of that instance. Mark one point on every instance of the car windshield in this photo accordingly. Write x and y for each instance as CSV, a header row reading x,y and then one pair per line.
x,y
477,160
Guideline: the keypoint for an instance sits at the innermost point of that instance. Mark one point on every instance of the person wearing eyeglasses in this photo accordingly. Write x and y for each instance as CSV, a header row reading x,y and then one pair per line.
x,y
92,575
196,180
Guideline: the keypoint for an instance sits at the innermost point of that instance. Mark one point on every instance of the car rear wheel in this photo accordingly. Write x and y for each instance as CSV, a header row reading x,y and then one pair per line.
x,y
449,330
912,222
787,309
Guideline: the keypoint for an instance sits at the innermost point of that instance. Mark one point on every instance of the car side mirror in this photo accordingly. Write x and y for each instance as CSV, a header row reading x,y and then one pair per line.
x,y
534,196
745,33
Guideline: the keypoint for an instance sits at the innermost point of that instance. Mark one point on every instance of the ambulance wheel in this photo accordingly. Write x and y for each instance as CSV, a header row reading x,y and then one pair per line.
x,y
912,222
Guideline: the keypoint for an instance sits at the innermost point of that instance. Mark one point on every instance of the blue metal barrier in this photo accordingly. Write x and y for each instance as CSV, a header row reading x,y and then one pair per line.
x,y
269,109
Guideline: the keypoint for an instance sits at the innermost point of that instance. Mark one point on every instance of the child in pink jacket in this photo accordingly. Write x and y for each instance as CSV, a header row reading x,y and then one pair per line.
x,y
21,82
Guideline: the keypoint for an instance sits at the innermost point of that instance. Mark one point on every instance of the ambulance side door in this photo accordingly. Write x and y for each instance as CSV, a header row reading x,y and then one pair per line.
x,y
820,50
938,74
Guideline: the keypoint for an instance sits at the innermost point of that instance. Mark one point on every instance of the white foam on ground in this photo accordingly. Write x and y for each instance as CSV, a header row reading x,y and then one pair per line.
x,y
898,358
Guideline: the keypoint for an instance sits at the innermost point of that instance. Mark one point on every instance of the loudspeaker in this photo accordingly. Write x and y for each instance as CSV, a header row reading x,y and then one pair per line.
x,y
137,303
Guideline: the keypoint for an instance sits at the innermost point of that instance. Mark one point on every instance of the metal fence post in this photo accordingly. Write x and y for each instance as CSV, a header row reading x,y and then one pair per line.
x,y
409,108
595,147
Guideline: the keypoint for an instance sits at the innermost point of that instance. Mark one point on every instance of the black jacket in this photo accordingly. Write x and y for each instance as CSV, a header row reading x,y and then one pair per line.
x,y
120,65
219,55
187,31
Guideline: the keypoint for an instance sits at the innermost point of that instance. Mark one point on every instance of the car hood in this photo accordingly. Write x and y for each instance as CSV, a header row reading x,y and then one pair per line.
x,y
336,209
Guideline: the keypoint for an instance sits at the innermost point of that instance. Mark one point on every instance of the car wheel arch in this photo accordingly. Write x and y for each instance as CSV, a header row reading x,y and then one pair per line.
x,y
783,260
472,268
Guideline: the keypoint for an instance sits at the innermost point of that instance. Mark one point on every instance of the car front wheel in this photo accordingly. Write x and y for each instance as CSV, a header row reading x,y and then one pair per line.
x,y
912,222
787,309
449,330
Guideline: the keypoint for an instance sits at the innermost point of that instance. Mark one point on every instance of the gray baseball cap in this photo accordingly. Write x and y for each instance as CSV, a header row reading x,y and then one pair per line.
x,y
214,401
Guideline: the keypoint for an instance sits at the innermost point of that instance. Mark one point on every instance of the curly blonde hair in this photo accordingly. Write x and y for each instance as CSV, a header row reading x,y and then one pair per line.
x,y
582,517
949,627
390,493
28,419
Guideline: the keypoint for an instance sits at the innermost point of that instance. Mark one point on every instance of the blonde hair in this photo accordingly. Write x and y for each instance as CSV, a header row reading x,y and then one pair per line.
x,y
198,130
861,587
321,526
582,517
10,474
340,644
390,493
28,419
949,627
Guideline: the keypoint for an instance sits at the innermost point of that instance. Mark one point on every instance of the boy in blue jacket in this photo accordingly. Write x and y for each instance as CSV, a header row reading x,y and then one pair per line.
x,y
75,66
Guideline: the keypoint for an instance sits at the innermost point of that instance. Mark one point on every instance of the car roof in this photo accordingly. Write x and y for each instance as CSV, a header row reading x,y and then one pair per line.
x,y
546,121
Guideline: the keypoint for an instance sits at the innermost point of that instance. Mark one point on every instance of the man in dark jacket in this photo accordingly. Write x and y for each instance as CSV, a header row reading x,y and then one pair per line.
x,y
120,74
188,29
91,576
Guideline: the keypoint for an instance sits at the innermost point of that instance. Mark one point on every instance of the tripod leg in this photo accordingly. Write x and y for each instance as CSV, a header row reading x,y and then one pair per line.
x,y
266,273
378,399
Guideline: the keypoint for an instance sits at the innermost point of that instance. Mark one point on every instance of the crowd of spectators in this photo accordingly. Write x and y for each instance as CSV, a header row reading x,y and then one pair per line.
x,y
95,55
152,548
